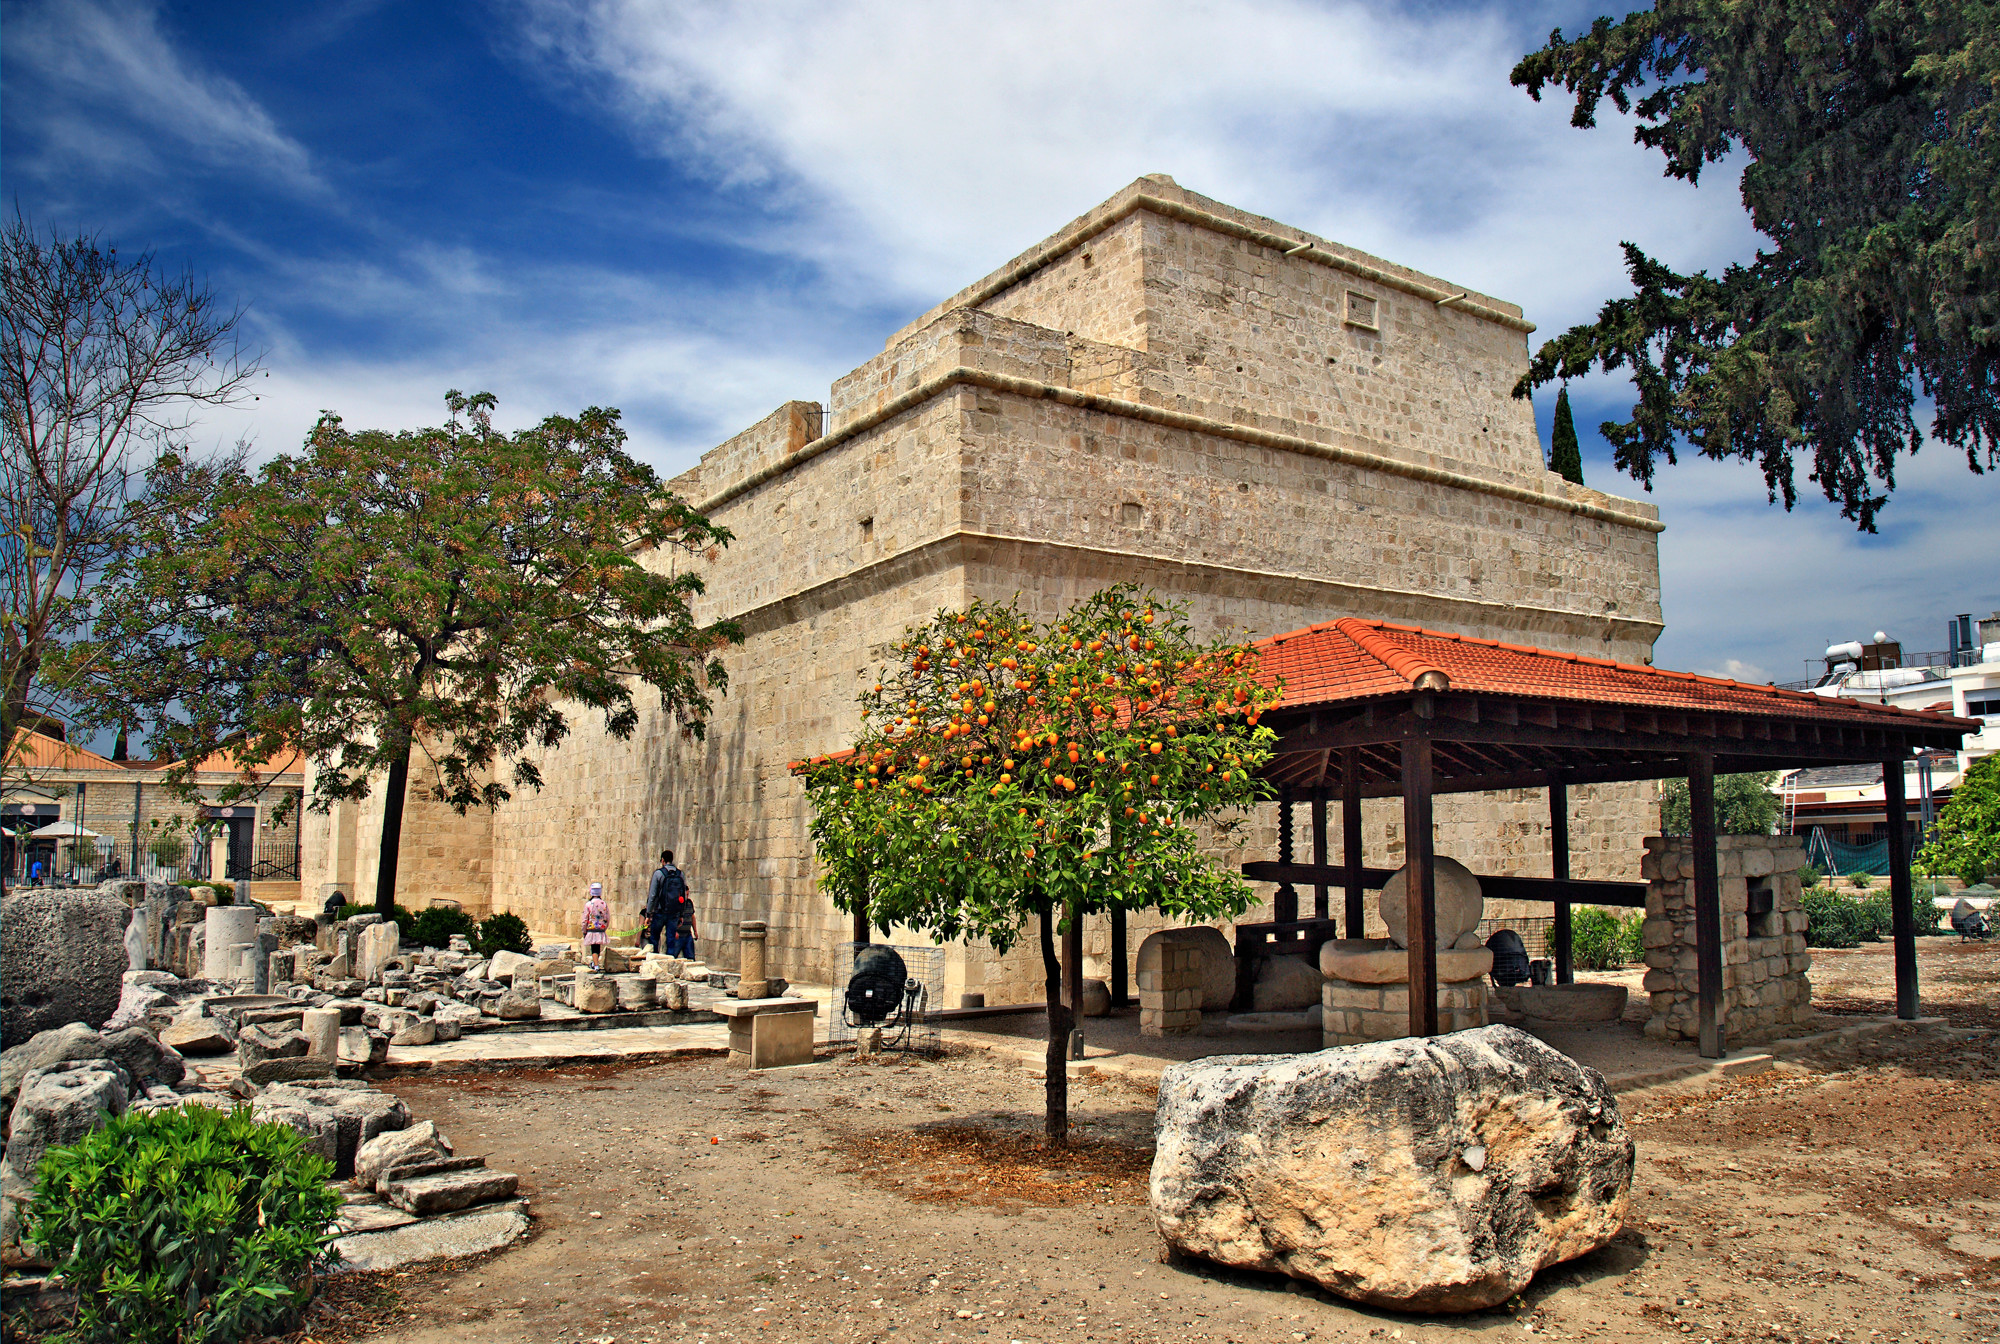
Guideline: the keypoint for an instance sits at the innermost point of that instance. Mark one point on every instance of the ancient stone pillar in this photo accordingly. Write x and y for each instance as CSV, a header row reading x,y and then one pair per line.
x,y
322,1031
226,927
750,942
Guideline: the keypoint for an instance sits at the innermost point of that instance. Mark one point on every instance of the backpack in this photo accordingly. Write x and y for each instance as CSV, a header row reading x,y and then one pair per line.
x,y
670,898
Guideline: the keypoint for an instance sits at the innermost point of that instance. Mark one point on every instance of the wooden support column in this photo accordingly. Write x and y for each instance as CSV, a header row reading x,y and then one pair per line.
x,y
1119,960
1707,905
1319,850
1285,905
1072,967
1421,919
1350,839
1559,869
1903,916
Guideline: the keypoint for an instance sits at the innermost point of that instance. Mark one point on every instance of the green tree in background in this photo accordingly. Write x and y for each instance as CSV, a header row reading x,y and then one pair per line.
x,y
1871,140
1744,805
1565,457
1965,841
433,597
1011,773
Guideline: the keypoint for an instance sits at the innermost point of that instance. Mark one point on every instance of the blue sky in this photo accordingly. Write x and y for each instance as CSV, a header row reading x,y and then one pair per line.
x,y
695,211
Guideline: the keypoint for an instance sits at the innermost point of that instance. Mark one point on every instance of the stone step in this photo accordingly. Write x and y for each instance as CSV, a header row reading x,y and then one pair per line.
x,y
486,1228
445,1191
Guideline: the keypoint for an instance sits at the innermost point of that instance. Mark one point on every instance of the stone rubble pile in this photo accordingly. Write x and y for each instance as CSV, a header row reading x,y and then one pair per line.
x,y
171,975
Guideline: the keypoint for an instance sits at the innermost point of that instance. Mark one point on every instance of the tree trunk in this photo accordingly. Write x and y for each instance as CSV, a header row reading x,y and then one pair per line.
x,y
392,832
1055,1122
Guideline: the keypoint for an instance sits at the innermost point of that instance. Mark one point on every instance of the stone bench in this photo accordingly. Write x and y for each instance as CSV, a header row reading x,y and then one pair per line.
x,y
770,1033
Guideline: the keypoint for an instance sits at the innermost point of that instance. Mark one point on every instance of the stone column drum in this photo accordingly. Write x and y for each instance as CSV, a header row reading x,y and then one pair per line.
x,y
226,927
750,941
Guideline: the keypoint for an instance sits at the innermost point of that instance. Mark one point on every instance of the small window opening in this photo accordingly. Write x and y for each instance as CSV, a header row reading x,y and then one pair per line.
x,y
1761,909
868,529
1132,514
1360,310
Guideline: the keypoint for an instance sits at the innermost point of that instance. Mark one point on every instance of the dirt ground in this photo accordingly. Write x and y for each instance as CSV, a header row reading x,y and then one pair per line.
x,y
1852,1196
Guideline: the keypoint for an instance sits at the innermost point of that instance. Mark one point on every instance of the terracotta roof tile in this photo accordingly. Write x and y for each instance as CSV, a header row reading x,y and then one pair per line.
x,y
1351,659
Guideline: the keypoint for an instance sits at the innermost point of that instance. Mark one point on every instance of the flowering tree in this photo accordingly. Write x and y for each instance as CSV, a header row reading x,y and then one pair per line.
x,y
1008,771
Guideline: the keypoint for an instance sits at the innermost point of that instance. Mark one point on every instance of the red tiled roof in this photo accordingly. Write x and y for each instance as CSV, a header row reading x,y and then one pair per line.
x,y
1351,659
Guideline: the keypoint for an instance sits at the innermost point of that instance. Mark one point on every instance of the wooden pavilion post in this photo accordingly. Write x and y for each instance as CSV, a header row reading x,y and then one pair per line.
x,y
1421,918
1285,905
1319,850
1902,915
1559,865
1119,959
1350,839
1707,904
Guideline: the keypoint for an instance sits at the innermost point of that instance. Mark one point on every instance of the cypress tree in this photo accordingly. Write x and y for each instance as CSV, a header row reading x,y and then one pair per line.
x,y
1565,458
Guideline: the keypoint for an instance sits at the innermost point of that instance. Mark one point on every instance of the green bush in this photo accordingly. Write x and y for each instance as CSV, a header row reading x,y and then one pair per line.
x,y
1601,941
1632,938
185,1226
1861,881
501,933
1810,877
1834,920
435,926
225,890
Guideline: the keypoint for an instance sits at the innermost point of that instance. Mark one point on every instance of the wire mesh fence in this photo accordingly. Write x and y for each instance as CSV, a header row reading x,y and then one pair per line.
x,y
895,989
1534,931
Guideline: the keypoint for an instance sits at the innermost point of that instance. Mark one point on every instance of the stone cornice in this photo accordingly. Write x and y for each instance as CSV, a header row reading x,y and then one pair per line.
x,y
933,553
943,382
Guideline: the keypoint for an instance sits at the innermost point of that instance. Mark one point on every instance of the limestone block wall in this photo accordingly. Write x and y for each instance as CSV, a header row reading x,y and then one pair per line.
x,y
1765,986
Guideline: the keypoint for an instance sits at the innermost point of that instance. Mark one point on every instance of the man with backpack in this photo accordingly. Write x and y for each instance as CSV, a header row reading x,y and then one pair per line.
x,y
669,910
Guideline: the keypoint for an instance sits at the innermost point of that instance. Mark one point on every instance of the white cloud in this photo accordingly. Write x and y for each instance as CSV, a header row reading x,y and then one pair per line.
x,y
918,147
1747,584
112,54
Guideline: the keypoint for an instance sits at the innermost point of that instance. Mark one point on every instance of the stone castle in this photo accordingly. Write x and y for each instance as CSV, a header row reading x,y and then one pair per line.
x,y
1273,427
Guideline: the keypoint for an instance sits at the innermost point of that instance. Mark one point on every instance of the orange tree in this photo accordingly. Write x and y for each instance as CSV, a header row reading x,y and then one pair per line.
x,y
1008,771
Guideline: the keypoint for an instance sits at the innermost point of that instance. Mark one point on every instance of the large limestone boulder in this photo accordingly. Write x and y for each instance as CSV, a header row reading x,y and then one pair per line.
x,y
337,1115
62,960
1459,904
150,1063
375,1159
1423,1175
1285,985
70,1041
60,1105
507,964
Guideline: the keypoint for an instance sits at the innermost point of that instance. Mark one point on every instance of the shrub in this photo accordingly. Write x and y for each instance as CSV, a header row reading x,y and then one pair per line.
x,y
225,890
1810,877
185,1225
501,933
168,849
1632,938
1861,881
1600,940
435,926
1834,920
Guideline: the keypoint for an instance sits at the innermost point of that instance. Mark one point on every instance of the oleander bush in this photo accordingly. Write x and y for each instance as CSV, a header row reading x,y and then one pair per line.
x,y
501,933
184,1226
435,926
1602,941
1834,920
1861,881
